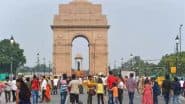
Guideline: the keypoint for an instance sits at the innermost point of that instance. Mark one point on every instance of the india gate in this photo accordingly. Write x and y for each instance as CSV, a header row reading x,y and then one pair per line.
x,y
80,18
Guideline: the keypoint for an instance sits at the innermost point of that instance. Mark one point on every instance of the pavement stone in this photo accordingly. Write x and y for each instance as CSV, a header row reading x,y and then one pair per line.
x,y
83,97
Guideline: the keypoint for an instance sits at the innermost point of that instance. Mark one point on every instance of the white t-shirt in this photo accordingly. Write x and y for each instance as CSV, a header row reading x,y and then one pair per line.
x,y
80,79
55,82
121,85
8,86
13,85
44,84
104,79
181,83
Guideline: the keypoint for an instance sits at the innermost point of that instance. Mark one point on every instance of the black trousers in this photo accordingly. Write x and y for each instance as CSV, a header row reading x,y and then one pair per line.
x,y
74,98
7,96
120,95
14,95
55,90
43,95
89,99
100,98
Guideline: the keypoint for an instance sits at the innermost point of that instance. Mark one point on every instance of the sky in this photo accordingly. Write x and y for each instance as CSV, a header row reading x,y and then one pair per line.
x,y
145,28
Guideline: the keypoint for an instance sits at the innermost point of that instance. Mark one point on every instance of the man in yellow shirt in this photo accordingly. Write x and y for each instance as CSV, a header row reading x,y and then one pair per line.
x,y
90,89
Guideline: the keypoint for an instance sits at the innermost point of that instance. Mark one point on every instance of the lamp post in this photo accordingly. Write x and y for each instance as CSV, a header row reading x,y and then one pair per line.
x,y
122,63
38,62
109,68
131,56
177,50
49,67
180,42
115,64
180,39
11,64
44,60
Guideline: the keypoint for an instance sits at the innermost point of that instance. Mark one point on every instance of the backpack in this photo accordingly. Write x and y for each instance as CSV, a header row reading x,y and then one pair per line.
x,y
177,88
156,89
35,84
63,86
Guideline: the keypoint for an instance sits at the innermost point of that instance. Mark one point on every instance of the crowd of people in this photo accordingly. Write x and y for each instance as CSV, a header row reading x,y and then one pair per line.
x,y
38,89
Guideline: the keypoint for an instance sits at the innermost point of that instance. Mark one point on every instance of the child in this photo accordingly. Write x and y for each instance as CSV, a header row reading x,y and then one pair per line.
x,y
100,91
115,93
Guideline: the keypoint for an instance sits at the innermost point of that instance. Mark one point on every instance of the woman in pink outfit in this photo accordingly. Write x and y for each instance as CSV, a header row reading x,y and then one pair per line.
x,y
147,93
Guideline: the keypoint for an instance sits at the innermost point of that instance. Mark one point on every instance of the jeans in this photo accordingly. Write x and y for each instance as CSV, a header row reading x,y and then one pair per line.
x,y
100,98
131,97
63,97
110,101
115,100
155,99
166,98
176,99
35,96
81,89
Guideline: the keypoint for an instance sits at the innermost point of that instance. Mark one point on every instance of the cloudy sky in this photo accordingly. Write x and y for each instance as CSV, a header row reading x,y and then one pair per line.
x,y
145,28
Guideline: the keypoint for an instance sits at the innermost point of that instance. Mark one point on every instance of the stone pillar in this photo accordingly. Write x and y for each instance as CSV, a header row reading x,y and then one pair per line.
x,y
92,59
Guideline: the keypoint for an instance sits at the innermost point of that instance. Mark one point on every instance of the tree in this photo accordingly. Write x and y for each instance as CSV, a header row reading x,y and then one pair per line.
x,y
10,53
173,60
143,67
41,68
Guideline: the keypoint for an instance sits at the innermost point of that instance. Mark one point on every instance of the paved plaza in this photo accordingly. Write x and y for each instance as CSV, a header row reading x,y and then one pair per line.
x,y
83,98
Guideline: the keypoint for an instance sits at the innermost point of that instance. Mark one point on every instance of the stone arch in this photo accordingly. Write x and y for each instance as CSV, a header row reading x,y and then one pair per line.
x,y
81,35
87,59
80,19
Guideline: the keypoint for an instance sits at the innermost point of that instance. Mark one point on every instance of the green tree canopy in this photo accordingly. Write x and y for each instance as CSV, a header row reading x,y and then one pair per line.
x,y
174,60
142,67
10,53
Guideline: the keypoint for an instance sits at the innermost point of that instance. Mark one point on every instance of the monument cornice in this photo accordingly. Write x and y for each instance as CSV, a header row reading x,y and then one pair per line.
x,y
80,26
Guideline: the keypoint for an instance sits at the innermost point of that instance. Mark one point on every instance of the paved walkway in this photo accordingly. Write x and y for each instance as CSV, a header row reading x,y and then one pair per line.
x,y
83,98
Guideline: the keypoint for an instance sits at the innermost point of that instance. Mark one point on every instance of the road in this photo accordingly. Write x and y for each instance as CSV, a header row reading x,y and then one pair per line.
x,y
83,98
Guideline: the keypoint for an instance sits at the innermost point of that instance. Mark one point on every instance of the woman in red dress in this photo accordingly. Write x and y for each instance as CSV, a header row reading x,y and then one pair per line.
x,y
147,93
48,92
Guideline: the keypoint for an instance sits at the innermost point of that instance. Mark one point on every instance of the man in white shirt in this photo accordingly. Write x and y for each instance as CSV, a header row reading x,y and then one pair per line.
x,y
43,87
74,90
121,87
55,84
7,90
14,88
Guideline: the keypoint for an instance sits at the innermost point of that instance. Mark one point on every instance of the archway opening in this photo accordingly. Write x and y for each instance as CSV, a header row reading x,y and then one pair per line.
x,y
80,54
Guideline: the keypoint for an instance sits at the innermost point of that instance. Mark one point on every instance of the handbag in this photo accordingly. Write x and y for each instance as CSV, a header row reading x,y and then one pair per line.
x,y
92,92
